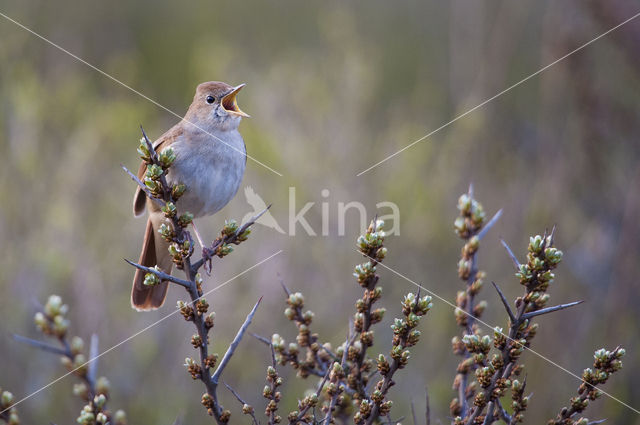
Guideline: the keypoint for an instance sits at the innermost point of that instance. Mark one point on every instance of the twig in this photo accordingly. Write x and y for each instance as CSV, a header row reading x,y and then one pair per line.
x,y
41,345
308,406
142,186
234,344
513,338
542,311
260,338
471,233
332,404
272,398
413,413
161,275
225,240
503,413
489,418
427,412
266,341
93,356
237,396
284,287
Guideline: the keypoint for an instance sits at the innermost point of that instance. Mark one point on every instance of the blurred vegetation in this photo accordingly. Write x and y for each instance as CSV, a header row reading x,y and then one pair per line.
x,y
332,88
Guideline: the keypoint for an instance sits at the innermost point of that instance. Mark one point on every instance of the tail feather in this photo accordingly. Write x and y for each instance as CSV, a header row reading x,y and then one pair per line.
x,y
154,252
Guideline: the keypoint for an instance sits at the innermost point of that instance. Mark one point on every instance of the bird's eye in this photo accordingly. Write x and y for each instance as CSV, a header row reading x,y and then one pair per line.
x,y
210,99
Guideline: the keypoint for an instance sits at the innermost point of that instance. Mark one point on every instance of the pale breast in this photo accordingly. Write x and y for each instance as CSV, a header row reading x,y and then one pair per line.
x,y
211,169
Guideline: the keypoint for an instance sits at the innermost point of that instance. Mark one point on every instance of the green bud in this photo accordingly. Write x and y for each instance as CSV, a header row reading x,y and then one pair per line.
x,y
178,190
169,210
243,236
60,325
154,172
224,249
100,401
77,345
535,244
41,322
13,418
230,227
103,386
7,399
81,390
151,279
277,342
266,391
174,251
166,232
185,219
153,186
143,150
166,157
53,305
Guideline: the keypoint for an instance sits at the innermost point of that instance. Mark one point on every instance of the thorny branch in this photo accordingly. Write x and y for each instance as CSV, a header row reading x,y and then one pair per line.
x,y
157,188
500,374
471,228
52,321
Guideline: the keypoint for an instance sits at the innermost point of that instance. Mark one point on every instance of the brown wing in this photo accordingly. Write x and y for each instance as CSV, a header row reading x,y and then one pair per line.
x,y
139,198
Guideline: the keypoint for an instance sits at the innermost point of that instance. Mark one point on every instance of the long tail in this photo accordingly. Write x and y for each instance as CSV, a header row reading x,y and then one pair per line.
x,y
154,252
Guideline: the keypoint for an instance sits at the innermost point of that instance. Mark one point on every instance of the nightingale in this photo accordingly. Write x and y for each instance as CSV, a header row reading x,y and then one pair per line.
x,y
210,161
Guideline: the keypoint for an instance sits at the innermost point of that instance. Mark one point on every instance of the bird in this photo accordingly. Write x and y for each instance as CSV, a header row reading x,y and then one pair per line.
x,y
258,205
210,161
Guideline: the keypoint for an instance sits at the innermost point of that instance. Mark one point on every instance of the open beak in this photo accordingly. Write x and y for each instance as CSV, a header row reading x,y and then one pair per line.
x,y
230,104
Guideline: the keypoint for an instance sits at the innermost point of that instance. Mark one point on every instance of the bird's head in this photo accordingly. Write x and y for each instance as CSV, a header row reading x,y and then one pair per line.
x,y
215,106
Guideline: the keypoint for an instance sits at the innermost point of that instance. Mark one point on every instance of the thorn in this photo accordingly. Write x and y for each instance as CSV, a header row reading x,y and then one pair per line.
x,y
284,287
553,233
490,224
549,310
41,345
512,316
234,344
511,254
93,354
260,338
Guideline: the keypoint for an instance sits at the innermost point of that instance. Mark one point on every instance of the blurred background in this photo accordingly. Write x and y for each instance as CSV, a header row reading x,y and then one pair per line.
x,y
332,87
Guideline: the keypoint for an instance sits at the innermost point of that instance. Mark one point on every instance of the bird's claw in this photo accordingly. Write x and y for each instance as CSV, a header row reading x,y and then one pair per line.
x,y
208,255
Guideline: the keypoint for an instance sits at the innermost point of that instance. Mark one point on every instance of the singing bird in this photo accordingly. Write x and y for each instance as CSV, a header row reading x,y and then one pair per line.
x,y
210,161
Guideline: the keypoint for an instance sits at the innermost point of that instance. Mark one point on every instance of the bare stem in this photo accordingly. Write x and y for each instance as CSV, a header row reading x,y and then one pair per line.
x,y
243,403
162,275
234,344
549,310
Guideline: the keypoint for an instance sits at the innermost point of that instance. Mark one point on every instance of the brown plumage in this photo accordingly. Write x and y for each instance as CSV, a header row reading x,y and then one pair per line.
x,y
210,161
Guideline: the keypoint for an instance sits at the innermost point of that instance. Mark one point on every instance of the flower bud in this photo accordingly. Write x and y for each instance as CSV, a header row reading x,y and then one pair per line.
x,y
7,399
77,345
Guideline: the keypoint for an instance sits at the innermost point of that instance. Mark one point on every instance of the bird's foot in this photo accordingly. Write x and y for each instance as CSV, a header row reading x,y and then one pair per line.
x,y
208,254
